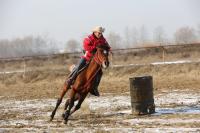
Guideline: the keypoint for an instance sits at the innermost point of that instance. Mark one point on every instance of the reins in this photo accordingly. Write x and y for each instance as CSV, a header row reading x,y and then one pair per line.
x,y
96,59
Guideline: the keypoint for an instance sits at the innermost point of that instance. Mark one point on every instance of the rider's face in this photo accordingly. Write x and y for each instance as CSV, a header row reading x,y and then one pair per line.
x,y
98,34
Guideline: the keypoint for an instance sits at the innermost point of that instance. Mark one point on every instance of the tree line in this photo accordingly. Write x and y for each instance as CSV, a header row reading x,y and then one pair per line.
x,y
27,46
133,37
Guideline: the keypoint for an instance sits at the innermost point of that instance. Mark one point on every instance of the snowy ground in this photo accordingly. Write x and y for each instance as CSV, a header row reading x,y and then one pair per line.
x,y
176,111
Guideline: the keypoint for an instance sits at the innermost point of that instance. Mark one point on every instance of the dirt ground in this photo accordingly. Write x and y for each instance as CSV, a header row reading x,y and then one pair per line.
x,y
26,103
27,99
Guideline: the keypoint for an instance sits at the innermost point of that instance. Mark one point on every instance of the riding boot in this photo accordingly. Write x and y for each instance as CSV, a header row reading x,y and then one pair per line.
x,y
95,91
74,73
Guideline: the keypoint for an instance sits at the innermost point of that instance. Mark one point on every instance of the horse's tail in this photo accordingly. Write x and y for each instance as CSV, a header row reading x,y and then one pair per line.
x,y
71,67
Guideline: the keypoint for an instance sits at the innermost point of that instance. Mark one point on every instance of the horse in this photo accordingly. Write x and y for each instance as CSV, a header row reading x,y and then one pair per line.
x,y
83,83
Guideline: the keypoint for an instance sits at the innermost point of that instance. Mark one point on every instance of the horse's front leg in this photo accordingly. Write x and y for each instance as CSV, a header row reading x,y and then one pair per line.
x,y
65,88
67,104
71,104
81,99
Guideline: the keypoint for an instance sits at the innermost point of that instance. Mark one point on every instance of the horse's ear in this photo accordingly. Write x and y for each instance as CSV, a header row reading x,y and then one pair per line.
x,y
103,46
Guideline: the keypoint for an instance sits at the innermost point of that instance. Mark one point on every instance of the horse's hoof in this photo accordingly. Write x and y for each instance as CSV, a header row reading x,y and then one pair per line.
x,y
65,121
51,119
63,115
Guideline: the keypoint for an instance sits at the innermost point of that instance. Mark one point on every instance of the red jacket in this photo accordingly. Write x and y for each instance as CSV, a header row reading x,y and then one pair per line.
x,y
90,43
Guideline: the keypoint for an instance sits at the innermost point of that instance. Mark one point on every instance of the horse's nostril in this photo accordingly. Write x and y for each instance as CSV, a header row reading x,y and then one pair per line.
x,y
107,63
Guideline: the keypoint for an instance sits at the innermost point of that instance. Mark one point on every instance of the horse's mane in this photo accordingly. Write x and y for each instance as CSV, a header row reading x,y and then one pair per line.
x,y
103,46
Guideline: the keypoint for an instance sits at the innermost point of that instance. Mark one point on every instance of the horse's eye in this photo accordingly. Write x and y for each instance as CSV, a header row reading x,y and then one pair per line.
x,y
105,52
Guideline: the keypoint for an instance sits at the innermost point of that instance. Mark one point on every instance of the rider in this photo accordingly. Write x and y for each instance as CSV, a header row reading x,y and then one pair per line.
x,y
89,47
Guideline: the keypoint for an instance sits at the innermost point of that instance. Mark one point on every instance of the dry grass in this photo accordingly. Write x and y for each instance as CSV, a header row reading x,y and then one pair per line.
x,y
49,74
115,80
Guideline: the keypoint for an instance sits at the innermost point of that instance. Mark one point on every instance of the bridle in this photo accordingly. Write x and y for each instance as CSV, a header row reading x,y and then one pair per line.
x,y
97,58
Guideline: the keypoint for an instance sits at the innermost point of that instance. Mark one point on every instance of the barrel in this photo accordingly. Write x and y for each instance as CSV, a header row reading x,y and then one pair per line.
x,y
141,91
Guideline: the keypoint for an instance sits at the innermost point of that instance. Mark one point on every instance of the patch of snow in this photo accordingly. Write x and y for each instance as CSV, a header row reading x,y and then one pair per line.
x,y
108,105
158,63
178,110
161,121
22,105
109,102
103,129
171,130
172,62
178,98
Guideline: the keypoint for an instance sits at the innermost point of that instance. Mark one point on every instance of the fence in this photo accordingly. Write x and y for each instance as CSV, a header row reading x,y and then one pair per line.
x,y
121,57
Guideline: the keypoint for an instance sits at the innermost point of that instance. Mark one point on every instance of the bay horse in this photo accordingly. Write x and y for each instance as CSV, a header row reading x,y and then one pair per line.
x,y
83,83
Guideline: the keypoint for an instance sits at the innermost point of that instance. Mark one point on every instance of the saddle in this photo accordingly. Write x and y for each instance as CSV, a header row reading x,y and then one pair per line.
x,y
74,70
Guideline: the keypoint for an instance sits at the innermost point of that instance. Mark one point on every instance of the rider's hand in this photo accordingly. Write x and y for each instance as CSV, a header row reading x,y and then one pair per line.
x,y
94,51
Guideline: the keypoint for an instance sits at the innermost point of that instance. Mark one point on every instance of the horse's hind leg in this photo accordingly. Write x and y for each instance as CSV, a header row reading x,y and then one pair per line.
x,y
67,101
66,106
71,104
65,88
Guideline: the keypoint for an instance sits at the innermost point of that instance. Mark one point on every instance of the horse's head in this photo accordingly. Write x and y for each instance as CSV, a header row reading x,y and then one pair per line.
x,y
101,55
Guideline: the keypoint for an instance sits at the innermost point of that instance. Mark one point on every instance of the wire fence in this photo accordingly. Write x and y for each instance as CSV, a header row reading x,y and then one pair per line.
x,y
120,57
123,50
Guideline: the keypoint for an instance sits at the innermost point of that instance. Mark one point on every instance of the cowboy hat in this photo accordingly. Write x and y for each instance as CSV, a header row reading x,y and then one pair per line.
x,y
98,29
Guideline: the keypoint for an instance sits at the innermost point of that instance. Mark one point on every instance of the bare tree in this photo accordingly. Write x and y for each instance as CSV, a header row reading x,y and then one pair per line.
x,y
4,48
198,32
159,35
131,37
51,44
185,35
127,34
143,35
135,36
114,40
73,46
27,46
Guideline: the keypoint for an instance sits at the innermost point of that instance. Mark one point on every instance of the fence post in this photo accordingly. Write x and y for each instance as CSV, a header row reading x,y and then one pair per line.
x,y
111,60
163,53
24,74
4,72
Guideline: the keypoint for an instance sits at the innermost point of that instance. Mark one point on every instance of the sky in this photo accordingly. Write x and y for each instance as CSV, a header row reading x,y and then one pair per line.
x,y
73,19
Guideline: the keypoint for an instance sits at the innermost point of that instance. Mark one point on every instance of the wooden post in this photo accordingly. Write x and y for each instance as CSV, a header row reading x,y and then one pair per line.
x,y
163,55
24,74
141,91
111,60
4,73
